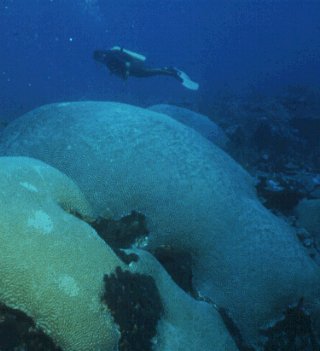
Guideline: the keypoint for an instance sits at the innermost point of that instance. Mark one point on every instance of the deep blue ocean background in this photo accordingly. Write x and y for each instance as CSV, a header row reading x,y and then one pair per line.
x,y
234,45
258,66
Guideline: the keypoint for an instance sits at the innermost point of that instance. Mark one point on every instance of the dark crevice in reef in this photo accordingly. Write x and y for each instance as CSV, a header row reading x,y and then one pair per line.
x,y
18,332
178,264
230,325
135,304
126,258
122,233
233,330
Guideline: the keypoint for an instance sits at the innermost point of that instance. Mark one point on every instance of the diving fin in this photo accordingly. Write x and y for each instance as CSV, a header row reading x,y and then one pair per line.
x,y
186,81
134,55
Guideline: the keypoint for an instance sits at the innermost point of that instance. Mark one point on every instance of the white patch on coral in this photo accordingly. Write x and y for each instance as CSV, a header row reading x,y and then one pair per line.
x,y
29,186
39,170
68,285
41,221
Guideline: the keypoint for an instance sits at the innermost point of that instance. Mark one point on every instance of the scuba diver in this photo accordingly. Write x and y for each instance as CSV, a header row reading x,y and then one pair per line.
x,y
125,63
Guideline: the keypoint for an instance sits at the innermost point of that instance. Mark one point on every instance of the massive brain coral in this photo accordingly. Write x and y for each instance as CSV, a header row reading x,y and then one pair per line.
x,y
52,264
195,197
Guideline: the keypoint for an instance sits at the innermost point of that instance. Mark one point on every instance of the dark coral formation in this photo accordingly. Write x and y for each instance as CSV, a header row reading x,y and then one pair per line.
x,y
18,332
280,193
135,304
124,232
126,258
294,332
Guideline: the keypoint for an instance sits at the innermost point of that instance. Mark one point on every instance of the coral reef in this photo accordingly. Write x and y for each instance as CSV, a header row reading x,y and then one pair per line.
x,y
195,198
270,133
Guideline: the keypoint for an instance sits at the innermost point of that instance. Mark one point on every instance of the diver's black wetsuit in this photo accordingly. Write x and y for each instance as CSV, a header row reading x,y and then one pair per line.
x,y
124,65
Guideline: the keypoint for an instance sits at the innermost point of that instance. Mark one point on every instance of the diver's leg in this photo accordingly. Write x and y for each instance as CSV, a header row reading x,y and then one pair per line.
x,y
166,71
143,71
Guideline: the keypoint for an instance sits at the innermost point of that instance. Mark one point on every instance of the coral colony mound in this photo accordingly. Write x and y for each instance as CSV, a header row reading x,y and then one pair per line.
x,y
63,288
195,199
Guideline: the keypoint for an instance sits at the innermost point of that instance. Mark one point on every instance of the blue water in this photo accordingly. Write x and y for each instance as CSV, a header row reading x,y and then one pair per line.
x,y
47,45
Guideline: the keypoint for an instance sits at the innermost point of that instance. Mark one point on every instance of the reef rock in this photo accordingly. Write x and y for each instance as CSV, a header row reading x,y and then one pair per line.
x,y
195,197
